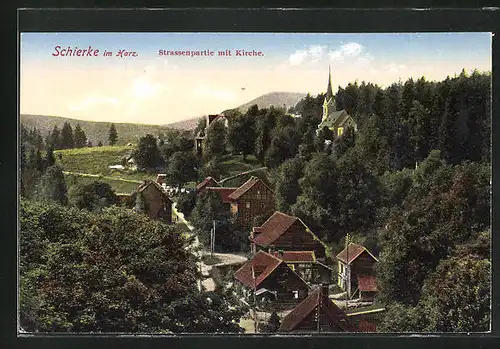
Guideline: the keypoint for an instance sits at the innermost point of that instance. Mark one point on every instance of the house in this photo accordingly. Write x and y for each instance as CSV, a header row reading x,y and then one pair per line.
x,y
253,198
207,182
200,137
306,265
316,314
335,120
161,178
287,233
357,271
269,277
154,201
223,193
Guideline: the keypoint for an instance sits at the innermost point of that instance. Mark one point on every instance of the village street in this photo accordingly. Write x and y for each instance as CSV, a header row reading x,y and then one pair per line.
x,y
225,258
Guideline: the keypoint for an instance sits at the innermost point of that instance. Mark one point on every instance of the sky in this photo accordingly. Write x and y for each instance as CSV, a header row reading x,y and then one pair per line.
x,y
150,88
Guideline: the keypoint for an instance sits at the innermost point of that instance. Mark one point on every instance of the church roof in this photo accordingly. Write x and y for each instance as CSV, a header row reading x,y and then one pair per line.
x,y
329,91
333,118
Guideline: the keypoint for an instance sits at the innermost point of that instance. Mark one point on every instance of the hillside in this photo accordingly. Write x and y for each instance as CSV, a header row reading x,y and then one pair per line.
x,y
188,124
95,131
277,99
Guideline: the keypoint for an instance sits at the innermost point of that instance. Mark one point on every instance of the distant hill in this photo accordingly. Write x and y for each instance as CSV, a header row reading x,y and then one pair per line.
x,y
277,99
188,124
95,131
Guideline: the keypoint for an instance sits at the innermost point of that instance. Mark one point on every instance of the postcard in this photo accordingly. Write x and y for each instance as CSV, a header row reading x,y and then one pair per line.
x,y
254,183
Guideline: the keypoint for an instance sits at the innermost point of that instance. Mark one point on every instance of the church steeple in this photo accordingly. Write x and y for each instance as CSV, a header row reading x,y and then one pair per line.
x,y
329,92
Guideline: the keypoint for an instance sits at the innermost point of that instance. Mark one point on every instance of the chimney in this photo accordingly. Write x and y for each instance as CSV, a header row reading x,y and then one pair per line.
x,y
280,254
325,290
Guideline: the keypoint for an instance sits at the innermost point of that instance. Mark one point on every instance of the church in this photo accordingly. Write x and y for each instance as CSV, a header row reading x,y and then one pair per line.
x,y
336,120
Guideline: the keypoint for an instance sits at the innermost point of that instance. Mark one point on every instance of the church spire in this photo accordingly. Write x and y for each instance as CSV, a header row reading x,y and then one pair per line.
x,y
329,92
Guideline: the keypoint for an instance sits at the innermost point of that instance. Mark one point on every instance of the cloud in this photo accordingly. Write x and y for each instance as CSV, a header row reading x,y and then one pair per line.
x,y
395,68
313,53
351,49
298,57
91,102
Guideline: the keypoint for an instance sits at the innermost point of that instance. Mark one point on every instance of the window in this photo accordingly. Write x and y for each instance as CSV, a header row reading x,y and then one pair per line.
x,y
262,205
247,204
340,130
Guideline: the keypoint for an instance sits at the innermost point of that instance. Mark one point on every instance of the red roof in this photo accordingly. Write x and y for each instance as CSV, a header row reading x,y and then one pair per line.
x,y
337,318
367,283
273,228
209,181
244,188
296,256
366,326
223,192
261,262
149,182
354,252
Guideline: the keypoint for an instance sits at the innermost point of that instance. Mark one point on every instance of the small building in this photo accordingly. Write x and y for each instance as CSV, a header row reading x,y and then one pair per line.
x,y
357,271
253,198
161,178
270,277
207,182
154,201
306,265
287,233
202,134
316,314
223,193
335,120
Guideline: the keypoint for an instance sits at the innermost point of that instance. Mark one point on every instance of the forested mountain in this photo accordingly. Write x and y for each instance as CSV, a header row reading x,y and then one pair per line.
x,y
95,131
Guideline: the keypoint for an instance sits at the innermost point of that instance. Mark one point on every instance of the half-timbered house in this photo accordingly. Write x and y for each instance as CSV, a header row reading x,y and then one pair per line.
x,y
270,277
356,266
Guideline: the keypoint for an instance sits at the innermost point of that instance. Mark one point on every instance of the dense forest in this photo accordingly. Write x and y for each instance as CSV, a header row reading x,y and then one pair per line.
x,y
413,185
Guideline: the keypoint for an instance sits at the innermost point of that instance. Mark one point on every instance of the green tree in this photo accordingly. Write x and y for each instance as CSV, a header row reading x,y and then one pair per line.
x,y
186,202
146,154
241,134
112,135
94,196
116,271
52,186
67,141
182,168
54,139
215,141
209,208
50,160
287,187
284,145
79,137
317,203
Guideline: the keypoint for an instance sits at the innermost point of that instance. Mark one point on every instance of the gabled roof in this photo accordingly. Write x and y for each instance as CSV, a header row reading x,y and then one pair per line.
x,y
367,283
354,252
261,260
337,318
332,118
273,228
223,192
296,256
209,181
148,183
246,187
